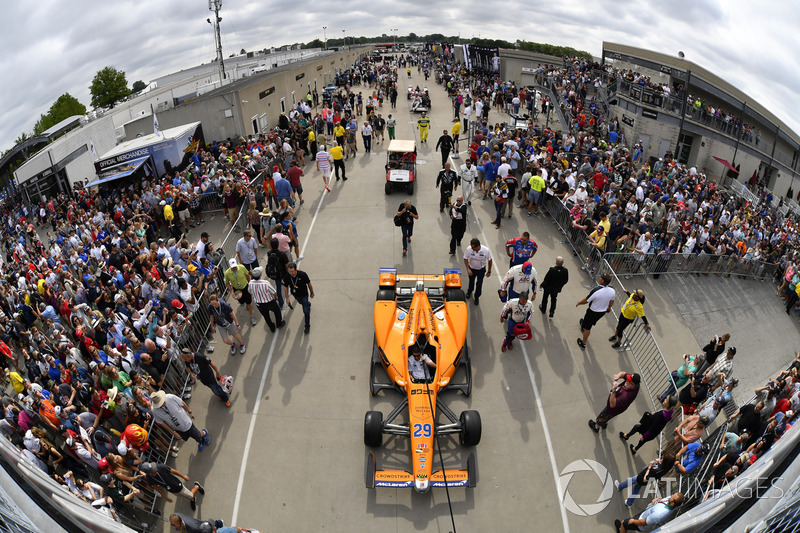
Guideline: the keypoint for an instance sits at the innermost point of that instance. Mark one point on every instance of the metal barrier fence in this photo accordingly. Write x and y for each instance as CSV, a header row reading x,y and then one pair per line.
x,y
632,264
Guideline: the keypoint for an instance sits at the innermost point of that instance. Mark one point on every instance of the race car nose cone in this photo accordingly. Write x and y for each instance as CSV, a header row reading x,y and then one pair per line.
x,y
421,485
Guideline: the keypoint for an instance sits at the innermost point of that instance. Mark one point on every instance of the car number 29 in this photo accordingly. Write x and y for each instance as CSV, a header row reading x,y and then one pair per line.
x,y
422,430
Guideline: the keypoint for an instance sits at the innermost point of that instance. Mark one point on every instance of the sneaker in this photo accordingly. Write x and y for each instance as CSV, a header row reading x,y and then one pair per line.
x,y
476,300
405,253
200,487
612,338
302,202
193,504
618,524
469,295
207,439
504,346
616,345
242,348
233,349
633,449
510,345
307,329
271,327
616,485
541,308
580,323
174,454
228,403
299,259
327,188
289,304
581,344
281,324
187,396
593,426
622,436
252,320
219,523
550,315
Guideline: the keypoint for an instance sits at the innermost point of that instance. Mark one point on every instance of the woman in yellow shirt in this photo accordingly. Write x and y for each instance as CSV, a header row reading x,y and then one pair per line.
x,y
632,308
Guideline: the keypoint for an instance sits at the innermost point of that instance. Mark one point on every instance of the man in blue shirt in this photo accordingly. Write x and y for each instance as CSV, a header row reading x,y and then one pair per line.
x,y
283,190
521,249
659,511
690,457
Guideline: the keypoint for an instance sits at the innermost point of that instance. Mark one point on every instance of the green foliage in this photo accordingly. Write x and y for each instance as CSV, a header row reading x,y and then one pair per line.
x,y
108,87
316,43
138,86
790,193
553,50
65,106
22,138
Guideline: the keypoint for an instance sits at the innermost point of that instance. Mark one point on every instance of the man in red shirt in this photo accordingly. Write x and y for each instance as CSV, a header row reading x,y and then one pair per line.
x,y
599,181
294,175
624,389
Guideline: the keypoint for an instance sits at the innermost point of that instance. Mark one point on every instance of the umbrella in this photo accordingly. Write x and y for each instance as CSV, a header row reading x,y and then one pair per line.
x,y
726,163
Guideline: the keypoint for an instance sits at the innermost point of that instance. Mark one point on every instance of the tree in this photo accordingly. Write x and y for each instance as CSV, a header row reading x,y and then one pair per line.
x,y
65,106
108,87
138,86
316,43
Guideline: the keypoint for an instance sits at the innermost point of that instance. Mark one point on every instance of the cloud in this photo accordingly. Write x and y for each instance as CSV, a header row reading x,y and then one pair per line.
x,y
57,47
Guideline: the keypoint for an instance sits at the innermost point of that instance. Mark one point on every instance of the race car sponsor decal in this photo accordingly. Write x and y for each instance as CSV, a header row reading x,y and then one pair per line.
x,y
410,319
401,315
422,476
440,315
395,484
422,447
449,483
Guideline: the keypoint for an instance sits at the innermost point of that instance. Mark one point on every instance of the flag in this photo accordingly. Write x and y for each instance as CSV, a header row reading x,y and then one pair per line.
x,y
91,147
155,121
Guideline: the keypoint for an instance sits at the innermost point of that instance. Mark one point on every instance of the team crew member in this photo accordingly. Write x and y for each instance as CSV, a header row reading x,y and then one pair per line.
x,y
600,301
236,279
266,298
446,143
518,279
521,249
458,224
478,260
448,181
390,125
555,279
408,214
630,310
247,250
423,123
418,364
337,155
624,389
516,311
323,160
468,174
298,283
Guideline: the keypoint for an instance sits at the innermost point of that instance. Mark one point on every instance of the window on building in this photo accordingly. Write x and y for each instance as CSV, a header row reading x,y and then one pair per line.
x,y
283,105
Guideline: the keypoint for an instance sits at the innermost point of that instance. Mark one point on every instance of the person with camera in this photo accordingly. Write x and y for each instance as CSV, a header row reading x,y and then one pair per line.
x,y
625,388
407,214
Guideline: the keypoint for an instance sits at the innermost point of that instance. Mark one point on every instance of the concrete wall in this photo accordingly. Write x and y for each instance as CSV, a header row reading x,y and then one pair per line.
x,y
513,61
228,113
100,131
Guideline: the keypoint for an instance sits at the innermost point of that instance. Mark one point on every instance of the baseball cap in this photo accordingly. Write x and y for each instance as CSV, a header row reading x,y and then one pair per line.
x,y
232,263
527,267
177,304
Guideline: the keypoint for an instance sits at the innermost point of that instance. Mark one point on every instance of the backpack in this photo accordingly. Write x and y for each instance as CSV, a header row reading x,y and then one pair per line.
x,y
273,265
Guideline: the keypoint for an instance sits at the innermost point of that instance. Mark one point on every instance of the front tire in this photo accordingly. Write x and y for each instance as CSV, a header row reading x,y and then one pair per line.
x,y
388,188
410,187
454,295
386,294
373,428
470,428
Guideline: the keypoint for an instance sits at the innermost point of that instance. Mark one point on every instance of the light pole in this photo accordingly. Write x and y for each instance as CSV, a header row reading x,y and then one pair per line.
x,y
395,30
344,39
325,36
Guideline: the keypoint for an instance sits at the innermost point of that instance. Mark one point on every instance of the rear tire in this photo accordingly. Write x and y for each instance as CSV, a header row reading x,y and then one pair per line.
x,y
410,187
386,294
373,429
455,295
470,428
388,188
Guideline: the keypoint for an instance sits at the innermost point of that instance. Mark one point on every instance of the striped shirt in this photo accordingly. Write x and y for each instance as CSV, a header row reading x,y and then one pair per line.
x,y
262,291
323,160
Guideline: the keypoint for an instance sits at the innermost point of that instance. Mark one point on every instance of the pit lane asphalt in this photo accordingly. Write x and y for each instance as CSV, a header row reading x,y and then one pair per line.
x,y
305,466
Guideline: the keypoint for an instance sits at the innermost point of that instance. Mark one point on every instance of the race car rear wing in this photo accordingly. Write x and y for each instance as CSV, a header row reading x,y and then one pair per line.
x,y
403,479
388,277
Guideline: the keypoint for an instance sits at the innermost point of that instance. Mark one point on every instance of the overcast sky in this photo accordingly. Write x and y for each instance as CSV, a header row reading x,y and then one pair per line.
x,y
52,47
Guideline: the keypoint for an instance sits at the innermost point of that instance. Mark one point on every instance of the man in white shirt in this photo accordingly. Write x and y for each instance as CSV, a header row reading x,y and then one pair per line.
x,y
519,278
418,364
366,136
172,414
247,250
478,260
600,301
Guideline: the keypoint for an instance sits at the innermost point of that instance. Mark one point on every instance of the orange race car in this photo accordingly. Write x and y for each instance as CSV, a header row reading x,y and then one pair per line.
x,y
421,346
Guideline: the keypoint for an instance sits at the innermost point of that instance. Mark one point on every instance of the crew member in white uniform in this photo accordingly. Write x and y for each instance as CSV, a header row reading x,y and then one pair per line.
x,y
516,311
418,364
520,278
468,173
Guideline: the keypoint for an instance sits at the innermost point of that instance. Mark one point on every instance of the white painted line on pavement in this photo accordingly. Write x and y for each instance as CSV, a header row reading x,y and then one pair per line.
x,y
264,374
539,406
249,439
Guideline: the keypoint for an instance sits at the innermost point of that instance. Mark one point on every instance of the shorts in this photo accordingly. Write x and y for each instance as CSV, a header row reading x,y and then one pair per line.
x,y
535,197
246,298
229,329
591,318
183,214
326,172
298,189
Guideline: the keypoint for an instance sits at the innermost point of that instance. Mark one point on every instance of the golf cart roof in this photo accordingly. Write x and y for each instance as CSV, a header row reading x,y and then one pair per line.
x,y
396,145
